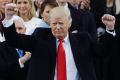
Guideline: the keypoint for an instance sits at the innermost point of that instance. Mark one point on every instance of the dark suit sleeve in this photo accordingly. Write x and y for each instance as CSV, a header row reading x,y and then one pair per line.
x,y
9,63
24,42
105,45
92,29
88,24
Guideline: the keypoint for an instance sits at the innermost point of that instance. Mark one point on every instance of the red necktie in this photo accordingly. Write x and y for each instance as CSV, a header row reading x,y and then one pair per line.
x,y
61,62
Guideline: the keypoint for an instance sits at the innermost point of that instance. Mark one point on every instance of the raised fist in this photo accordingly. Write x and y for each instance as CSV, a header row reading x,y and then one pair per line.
x,y
10,10
109,21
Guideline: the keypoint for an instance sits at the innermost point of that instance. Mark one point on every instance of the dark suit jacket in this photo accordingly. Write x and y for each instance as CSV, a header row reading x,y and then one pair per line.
x,y
113,68
76,18
2,16
42,45
99,8
83,22
104,66
9,64
88,24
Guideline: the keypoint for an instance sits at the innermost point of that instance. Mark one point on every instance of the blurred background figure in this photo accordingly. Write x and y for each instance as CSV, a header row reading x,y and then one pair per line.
x,y
100,7
45,9
62,3
74,3
2,11
26,11
37,4
23,55
10,60
83,21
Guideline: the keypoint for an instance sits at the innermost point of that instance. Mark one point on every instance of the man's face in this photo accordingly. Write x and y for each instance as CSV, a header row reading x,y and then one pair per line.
x,y
3,3
59,26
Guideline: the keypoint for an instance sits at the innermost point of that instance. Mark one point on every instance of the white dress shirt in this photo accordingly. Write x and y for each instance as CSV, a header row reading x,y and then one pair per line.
x,y
31,25
2,38
71,70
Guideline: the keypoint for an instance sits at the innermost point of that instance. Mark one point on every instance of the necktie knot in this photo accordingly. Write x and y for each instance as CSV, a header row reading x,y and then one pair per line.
x,y
61,40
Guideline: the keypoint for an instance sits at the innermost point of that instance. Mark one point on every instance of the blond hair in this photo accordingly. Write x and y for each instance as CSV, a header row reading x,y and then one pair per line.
x,y
117,5
32,12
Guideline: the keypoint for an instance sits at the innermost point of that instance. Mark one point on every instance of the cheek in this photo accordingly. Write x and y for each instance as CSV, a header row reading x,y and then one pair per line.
x,y
28,7
65,29
46,15
18,6
53,32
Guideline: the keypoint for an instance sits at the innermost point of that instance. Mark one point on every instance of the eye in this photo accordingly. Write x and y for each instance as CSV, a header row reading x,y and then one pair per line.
x,y
25,2
19,28
54,23
47,11
18,2
61,23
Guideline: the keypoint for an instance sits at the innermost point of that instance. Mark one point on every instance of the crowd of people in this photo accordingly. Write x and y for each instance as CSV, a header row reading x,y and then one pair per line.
x,y
59,39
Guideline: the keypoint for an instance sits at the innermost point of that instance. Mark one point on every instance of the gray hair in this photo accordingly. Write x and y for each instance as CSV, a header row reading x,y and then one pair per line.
x,y
60,11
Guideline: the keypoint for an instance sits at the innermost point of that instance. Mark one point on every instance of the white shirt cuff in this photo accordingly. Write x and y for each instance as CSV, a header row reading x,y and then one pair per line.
x,y
21,65
8,23
113,33
2,38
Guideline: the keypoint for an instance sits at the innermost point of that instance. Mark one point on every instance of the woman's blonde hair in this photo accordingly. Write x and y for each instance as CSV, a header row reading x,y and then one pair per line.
x,y
32,12
117,5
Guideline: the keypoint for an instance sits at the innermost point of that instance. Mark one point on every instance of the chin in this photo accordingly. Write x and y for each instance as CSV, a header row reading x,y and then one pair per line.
x,y
59,36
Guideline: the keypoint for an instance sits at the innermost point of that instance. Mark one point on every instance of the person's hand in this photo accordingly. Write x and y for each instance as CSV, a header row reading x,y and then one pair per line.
x,y
10,10
19,25
25,58
38,3
28,55
109,21
85,4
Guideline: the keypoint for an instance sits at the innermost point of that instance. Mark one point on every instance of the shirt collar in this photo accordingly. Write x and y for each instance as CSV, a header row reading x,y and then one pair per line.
x,y
66,39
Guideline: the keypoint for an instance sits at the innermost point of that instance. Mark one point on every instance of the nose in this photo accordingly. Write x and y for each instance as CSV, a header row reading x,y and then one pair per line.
x,y
22,5
58,26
